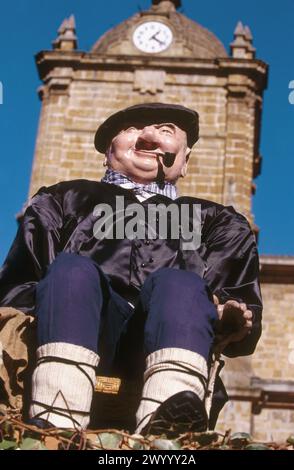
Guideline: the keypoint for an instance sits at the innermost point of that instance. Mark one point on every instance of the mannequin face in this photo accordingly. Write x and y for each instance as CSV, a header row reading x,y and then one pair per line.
x,y
135,151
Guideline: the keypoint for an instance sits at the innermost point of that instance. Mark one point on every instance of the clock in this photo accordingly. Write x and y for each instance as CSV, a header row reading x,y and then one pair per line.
x,y
152,37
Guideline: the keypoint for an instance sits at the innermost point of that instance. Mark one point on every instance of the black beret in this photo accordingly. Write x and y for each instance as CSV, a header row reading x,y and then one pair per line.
x,y
149,113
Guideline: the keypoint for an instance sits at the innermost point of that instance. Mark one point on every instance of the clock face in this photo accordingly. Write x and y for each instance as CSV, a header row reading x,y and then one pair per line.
x,y
152,37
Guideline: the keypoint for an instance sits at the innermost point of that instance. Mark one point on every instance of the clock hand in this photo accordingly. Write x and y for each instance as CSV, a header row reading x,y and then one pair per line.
x,y
154,35
160,42
156,38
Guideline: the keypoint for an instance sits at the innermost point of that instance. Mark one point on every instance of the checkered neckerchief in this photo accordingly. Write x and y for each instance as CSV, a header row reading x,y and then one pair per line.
x,y
113,177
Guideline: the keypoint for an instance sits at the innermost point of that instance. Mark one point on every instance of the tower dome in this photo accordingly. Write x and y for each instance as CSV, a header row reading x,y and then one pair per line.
x,y
163,31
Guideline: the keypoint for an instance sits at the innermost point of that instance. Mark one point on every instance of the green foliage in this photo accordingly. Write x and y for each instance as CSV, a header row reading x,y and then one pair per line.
x,y
206,438
290,439
109,440
165,444
8,445
31,444
239,440
257,446
16,435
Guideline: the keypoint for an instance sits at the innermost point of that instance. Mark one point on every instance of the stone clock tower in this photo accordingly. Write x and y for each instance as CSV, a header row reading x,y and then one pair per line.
x,y
161,55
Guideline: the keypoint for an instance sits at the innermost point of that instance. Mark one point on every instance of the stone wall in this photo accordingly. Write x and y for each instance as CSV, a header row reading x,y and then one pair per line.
x,y
273,360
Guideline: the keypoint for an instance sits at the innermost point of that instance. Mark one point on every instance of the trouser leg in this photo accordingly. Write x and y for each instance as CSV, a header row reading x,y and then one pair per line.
x,y
69,304
180,312
178,337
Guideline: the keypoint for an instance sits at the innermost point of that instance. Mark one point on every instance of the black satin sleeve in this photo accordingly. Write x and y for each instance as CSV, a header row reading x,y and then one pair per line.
x,y
34,248
232,270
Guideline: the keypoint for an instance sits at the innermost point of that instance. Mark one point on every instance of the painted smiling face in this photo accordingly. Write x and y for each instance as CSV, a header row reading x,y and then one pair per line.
x,y
137,150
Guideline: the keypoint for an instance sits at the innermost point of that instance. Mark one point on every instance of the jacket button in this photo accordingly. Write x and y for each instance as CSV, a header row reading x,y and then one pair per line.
x,y
143,265
151,260
147,242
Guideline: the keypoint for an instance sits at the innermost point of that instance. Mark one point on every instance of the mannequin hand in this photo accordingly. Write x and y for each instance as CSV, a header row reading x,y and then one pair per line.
x,y
234,324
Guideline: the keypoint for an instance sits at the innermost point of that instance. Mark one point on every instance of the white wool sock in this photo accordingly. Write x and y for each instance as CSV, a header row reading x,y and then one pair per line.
x,y
64,385
160,384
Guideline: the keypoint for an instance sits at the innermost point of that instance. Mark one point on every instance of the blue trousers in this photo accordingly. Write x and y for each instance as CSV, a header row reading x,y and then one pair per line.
x,y
75,303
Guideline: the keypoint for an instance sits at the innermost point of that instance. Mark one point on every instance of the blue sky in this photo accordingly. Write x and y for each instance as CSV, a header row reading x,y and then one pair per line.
x,y
28,26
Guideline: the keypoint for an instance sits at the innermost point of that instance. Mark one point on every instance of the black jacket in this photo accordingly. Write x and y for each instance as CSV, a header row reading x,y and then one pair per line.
x,y
60,218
